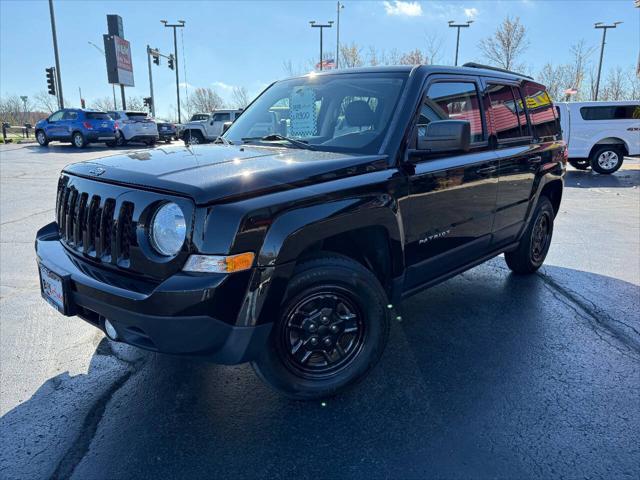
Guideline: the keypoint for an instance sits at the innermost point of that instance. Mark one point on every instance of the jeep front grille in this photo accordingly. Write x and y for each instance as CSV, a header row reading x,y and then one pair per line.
x,y
91,225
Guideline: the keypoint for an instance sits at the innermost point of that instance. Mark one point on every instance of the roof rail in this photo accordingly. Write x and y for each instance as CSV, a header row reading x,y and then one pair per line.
x,y
489,67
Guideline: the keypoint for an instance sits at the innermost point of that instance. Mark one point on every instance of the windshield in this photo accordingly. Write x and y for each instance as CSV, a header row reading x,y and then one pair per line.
x,y
344,113
199,117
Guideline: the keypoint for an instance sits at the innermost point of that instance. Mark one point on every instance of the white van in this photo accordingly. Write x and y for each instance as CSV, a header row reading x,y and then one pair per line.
x,y
600,134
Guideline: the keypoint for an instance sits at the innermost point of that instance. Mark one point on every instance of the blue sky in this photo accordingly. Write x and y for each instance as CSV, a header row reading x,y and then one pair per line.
x,y
244,43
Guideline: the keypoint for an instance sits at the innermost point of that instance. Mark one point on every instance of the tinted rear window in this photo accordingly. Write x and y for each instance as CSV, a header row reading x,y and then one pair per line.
x,y
97,116
541,111
136,115
611,112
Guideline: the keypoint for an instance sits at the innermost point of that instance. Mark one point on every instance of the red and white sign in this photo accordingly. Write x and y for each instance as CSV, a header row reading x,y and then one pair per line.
x,y
123,61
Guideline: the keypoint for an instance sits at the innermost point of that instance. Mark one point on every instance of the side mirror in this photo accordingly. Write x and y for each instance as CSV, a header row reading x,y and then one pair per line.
x,y
225,126
445,136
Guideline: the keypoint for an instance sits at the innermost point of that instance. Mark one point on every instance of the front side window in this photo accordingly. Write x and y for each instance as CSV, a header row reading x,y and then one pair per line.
x,y
541,111
56,116
344,112
611,112
452,101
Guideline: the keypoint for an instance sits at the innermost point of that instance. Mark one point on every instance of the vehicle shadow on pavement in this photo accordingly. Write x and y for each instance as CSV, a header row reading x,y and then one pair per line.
x,y
589,179
487,375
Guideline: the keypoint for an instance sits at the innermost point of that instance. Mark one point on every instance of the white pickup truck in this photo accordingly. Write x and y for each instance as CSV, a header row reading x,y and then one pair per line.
x,y
207,127
600,134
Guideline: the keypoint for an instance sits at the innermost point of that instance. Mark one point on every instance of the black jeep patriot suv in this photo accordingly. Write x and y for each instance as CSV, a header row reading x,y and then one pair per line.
x,y
291,242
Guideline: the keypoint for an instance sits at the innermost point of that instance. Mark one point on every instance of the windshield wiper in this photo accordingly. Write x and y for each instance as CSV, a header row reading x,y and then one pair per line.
x,y
275,137
224,141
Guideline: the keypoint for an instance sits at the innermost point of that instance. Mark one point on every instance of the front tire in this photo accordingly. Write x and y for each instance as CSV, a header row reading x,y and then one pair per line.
x,y
79,140
332,329
42,139
535,242
606,159
193,137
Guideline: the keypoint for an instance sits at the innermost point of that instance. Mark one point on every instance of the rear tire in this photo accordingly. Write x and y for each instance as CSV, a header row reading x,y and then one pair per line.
x,y
606,159
535,242
42,139
78,140
581,164
331,331
120,140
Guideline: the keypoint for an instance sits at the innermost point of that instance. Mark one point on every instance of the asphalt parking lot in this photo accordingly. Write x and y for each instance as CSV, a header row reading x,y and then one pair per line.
x,y
487,375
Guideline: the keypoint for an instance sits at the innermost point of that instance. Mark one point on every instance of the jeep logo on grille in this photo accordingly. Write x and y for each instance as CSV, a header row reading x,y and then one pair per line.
x,y
97,171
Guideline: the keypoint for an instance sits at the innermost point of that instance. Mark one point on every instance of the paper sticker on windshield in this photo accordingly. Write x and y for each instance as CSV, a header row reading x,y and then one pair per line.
x,y
302,112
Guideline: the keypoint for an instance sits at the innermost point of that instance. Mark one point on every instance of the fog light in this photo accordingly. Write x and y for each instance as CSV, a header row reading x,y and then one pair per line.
x,y
110,330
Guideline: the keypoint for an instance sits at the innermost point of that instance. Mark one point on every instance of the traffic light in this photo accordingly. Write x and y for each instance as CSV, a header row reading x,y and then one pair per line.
x,y
156,58
170,62
83,104
148,102
51,80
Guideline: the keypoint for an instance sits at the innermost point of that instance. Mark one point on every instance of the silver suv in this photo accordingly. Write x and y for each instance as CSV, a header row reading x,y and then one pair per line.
x,y
134,127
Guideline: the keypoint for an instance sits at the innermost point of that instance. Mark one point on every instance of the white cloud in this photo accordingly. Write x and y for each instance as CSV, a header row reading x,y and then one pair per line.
x,y
223,86
185,85
471,13
397,7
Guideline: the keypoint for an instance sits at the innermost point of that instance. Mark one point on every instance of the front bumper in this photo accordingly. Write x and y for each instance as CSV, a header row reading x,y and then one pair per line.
x,y
165,317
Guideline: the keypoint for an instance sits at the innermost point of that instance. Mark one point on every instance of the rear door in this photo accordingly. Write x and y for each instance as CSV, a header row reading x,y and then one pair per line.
x,y
141,124
68,124
524,130
452,197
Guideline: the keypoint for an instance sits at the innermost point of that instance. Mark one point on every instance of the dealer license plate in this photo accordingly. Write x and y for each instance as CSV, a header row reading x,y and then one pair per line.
x,y
52,288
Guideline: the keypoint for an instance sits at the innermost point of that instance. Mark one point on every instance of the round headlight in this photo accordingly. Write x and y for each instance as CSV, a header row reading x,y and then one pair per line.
x,y
168,229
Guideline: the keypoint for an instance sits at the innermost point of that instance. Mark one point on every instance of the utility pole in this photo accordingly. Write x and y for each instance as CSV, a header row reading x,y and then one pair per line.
x,y
604,37
55,51
340,7
113,87
180,24
24,99
453,24
321,27
153,102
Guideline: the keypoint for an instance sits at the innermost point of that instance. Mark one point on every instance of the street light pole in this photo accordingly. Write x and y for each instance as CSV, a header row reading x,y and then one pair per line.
x,y
113,87
153,101
604,37
321,26
55,52
340,7
180,24
453,24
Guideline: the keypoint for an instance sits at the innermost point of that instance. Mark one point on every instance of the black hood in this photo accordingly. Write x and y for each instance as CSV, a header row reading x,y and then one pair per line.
x,y
214,173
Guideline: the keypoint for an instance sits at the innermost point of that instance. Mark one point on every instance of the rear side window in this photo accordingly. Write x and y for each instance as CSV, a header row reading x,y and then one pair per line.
x,y
541,111
70,116
453,101
222,117
611,112
505,113
97,116
137,115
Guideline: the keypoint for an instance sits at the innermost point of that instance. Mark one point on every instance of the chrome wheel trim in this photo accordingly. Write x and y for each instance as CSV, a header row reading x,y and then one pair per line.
x,y
77,140
41,138
608,160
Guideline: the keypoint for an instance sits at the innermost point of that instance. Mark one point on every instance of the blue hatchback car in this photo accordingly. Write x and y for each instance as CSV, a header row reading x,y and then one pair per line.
x,y
78,126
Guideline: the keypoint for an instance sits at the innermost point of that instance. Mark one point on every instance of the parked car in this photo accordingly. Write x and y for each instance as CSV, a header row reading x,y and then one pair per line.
x,y
600,134
134,127
75,125
294,249
204,130
167,130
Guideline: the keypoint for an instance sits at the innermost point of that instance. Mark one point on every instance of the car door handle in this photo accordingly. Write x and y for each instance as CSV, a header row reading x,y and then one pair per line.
x,y
535,160
486,170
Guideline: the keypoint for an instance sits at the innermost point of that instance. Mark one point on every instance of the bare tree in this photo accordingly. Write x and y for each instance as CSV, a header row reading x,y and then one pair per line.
x,y
204,100
505,47
136,104
433,48
104,103
615,86
576,70
350,56
413,57
555,78
633,82
393,58
240,97
14,111
45,102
